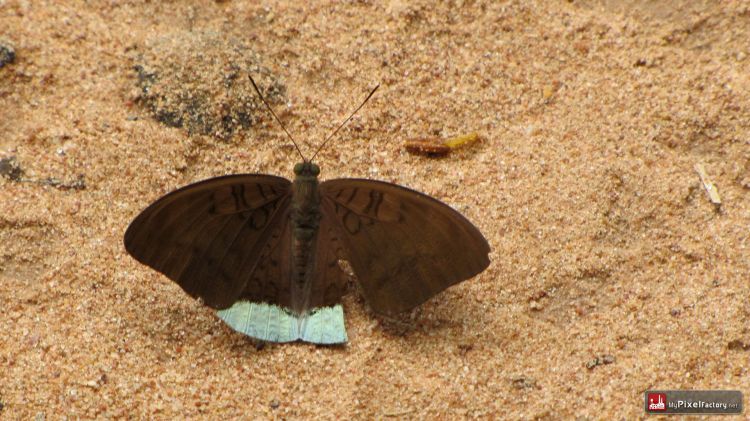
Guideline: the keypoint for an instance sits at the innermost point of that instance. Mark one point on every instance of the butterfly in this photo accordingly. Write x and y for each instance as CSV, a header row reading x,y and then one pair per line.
x,y
264,251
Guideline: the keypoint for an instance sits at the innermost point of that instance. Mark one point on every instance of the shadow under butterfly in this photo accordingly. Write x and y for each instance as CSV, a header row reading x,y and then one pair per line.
x,y
264,251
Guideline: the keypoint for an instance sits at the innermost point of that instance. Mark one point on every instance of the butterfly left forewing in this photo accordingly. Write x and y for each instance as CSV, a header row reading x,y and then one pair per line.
x,y
404,246
208,236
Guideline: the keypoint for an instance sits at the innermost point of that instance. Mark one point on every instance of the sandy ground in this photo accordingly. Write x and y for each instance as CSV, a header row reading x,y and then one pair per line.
x,y
611,271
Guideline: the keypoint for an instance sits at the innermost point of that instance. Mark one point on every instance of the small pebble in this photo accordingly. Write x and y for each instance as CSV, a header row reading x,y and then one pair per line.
x,y
10,169
600,360
7,55
738,345
523,383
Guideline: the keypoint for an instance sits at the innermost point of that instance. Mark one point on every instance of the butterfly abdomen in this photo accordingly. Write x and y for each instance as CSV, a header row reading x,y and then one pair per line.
x,y
301,245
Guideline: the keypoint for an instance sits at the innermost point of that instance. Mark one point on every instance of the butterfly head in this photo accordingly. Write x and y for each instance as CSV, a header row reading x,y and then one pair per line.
x,y
306,169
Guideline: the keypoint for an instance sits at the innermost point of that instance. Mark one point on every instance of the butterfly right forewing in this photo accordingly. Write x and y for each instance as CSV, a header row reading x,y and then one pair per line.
x,y
404,246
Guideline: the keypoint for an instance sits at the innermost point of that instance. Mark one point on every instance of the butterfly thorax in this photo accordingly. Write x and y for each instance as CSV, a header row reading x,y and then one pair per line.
x,y
305,221
306,198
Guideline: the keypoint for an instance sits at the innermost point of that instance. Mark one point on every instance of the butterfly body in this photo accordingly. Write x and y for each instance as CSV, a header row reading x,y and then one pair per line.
x,y
305,220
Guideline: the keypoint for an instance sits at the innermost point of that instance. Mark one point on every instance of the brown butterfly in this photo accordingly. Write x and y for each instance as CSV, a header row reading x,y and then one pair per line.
x,y
265,251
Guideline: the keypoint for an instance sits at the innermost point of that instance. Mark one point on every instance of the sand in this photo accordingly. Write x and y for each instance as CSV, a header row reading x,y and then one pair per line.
x,y
612,273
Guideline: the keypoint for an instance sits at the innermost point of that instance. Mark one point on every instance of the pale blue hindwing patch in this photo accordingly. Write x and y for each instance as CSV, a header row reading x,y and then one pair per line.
x,y
325,325
272,323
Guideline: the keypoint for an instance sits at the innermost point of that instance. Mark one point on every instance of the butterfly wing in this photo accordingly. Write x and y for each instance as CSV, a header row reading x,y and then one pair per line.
x,y
270,280
404,246
329,282
209,236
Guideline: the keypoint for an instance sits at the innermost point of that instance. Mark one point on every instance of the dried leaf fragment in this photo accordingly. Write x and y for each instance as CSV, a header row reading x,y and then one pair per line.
x,y
464,140
435,147
429,147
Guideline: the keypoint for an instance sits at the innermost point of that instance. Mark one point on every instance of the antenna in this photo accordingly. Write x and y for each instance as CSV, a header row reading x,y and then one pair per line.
x,y
345,121
276,117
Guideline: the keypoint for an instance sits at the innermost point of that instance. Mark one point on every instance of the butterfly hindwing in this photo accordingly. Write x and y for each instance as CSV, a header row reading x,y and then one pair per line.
x,y
270,280
322,320
404,246
329,282
208,236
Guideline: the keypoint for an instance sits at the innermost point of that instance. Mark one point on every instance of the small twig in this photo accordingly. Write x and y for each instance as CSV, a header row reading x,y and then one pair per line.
x,y
708,185
78,184
398,413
